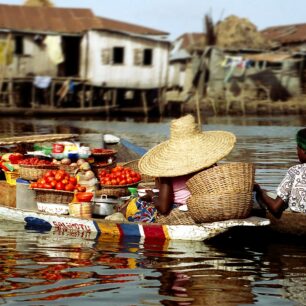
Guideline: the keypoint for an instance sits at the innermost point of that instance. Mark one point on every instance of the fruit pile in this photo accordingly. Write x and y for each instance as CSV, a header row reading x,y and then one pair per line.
x,y
34,161
58,180
119,176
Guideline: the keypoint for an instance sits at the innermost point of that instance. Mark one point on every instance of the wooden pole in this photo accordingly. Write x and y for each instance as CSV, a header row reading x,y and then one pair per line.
x,y
5,52
198,110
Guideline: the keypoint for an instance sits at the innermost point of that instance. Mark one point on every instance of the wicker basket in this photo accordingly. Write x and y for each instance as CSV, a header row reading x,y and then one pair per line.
x,y
134,166
53,196
176,217
113,192
33,173
68,169
231,177
83,210
218,207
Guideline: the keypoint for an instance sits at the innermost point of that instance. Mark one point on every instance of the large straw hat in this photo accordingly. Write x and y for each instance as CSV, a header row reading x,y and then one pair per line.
x,y
188,150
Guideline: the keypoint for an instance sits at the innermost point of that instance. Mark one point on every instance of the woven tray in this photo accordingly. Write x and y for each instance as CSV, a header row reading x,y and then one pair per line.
x,y
33,173
218,207
113,192
53,196
70,170
231,177
109,152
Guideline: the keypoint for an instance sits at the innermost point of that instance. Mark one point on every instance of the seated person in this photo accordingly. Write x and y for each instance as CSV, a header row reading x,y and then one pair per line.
x,y
173,162
291,193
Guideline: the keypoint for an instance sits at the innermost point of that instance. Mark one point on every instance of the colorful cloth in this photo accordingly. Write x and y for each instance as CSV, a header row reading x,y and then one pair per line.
x,y
141,211
292,189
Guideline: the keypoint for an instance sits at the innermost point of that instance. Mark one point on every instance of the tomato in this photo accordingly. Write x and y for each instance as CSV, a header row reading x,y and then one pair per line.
x,y
39,185
53,183
49,179
47,186
34,185
69,187
59,186
59,176
65,181
73,180
81,188
49,173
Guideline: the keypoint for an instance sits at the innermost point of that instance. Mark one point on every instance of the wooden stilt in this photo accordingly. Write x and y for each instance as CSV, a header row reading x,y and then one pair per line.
x,y
144,102
114,97
52,94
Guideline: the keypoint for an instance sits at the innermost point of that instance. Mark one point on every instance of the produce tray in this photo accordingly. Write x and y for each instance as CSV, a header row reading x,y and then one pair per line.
x,y
108,152
120,186
53,196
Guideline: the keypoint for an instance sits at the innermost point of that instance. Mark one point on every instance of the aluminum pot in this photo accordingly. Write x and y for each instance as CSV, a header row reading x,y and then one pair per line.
x,y
104,206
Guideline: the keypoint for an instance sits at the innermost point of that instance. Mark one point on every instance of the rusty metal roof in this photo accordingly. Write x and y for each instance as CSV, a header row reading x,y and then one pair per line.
x,y
46,19
193,41
268,57
62,20
286,34
115,25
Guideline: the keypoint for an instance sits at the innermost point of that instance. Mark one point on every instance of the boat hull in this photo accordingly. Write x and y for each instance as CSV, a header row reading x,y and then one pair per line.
x,y
93,228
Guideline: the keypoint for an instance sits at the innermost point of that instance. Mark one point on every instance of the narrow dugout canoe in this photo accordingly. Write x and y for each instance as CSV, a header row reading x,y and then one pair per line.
x,y
93,228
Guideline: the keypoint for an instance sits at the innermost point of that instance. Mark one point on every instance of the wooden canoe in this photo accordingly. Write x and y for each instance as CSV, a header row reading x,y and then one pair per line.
x,y
93,228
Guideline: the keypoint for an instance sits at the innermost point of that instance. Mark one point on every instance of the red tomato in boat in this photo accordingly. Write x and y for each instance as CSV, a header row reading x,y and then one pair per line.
x,y
69,187
73,180
59,186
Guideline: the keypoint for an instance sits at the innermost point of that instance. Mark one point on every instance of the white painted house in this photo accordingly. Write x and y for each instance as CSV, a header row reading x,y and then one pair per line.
x,y
74,43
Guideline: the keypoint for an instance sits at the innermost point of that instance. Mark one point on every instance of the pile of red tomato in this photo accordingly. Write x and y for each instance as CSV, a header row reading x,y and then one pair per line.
x,y
119,176
34,161
58,180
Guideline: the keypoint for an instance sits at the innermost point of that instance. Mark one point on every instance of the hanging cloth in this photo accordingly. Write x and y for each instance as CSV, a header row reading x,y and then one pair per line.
x,y
54,48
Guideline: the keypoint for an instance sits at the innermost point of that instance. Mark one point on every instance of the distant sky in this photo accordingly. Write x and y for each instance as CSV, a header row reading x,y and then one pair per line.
x,y
180,16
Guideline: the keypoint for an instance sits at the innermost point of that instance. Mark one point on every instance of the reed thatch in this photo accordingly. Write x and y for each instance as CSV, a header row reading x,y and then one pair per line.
x,y
42,3
239,33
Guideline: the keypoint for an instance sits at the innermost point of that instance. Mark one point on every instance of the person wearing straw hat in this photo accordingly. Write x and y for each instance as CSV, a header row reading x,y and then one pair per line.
x,y
291,191
172,162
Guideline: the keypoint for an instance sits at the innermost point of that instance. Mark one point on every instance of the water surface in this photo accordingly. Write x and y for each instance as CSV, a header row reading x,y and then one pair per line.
x,y
249,267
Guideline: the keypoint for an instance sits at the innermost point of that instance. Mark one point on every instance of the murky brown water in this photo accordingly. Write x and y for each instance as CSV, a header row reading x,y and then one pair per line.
x,y
251,268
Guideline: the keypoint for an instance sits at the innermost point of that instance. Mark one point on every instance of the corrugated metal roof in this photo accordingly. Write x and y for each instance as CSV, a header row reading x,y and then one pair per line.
x,y
268,57
193,41
287,33
115,25
46,19
62,20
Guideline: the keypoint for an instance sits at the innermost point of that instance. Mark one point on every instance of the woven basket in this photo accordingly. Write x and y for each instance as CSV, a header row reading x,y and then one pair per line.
x,y
176,217
113,192
218,207
134,166
231,177
33,173
53,196
83,210
70,170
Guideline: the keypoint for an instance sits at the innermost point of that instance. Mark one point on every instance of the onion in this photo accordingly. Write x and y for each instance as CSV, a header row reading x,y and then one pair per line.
x,y
89,175
85,166
81,161
73,165
66,161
